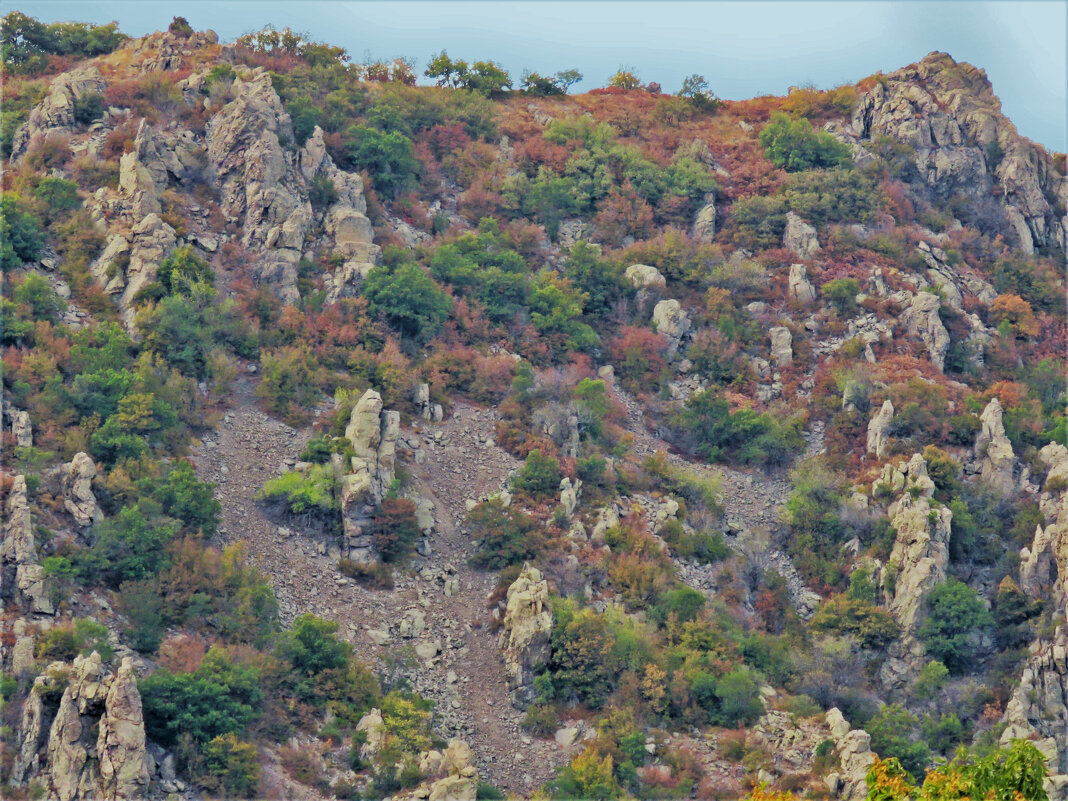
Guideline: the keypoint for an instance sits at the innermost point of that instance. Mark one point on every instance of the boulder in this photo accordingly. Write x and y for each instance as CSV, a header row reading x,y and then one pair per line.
x,y
878,429
800,237
994,450
22,429
374,729
782,352
704,225
800,288
921,320
524,637
642,276
77,485
672,322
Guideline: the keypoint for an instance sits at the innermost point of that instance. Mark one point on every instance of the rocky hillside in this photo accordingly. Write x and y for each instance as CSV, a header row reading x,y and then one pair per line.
x,y
364,439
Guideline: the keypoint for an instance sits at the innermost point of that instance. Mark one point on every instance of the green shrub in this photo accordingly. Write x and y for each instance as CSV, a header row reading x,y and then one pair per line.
x,y
506,536
313,492
716,433
322,193
842,294
218,698
81,637
894,734
231,766
872,626
539,476
387,157
956,616
20,233
793,145
129,546
413,304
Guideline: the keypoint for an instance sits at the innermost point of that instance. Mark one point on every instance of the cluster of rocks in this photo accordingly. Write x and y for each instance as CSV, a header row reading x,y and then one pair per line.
x,y
373,434
453,776
853,747
92,745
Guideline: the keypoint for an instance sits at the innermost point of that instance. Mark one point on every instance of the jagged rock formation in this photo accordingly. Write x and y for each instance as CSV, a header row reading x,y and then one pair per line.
x,y
782,350
22,579
524,638
921,319
55,114
879,428
77,483
1038,709
569,495
157,157
672,321
799,287
994,450
800,237
373,434
130,262
704,225
1044,566
917,562
853,747
948,113
96,739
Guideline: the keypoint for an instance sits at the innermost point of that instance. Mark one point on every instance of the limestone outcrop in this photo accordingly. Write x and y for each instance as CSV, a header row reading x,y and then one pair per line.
x,y
77,484
22,429
963,145
917,561
55,113
431,412
524,638
1038,708
921,320
879,428
96,739
855,756
799,287
993,449
782,350
22,579
671,321
373,434
800,237
704,225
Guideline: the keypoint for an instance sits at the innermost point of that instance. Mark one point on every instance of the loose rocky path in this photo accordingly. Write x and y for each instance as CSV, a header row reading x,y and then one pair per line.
x,y
441,642
753,500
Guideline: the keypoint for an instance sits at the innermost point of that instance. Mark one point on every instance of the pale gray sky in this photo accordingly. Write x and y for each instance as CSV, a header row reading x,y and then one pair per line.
x,y
744,49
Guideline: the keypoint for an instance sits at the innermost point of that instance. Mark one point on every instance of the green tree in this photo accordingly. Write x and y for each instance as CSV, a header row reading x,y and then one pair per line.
x,y
894,734
20,233
218,698
387,156
794,146
539,476
955,617
842,294
129,546
413,304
